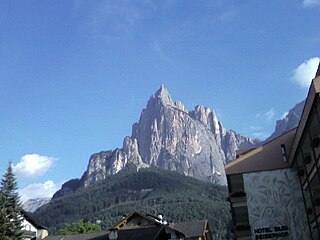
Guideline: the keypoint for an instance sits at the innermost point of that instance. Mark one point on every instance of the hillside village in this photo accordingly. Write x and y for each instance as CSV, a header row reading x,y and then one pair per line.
x,y
135,226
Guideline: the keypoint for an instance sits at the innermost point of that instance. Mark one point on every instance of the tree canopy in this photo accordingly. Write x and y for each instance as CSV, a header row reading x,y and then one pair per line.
x,y
79,227
11,210
150,190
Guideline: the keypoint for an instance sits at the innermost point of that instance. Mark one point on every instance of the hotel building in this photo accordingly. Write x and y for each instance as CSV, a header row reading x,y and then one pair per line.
x,y
274,189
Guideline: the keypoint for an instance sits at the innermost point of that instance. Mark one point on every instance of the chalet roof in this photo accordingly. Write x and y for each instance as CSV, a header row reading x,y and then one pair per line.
x,y
83,236
31,220
133,215
241,152
148,233
154,221
191,229
266,157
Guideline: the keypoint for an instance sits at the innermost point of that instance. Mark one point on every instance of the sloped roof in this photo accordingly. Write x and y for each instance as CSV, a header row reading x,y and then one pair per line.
x,y
191,229
154,221
148,233
266,157
31,220
133,215
241,152
83,236
269,156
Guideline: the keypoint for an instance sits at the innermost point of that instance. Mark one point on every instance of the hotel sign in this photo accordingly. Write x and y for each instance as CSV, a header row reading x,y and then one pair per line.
x,y
271,233
275,205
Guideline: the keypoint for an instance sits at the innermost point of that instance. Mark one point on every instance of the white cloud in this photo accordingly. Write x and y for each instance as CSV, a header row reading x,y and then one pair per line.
x,y
33,165
258,132
270,114
38,190
306,71
284,115
310,3
266,115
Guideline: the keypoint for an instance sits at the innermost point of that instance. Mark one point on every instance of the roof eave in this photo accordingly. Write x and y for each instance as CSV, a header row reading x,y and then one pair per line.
x,y
312,93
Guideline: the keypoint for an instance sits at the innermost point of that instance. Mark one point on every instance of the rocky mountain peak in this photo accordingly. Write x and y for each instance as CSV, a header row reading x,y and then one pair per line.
x,y
167,135
163,96
290,121
33,204
179,105
202,114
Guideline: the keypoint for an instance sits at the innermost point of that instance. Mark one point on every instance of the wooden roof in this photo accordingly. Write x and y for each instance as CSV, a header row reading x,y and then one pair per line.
x,y
31,220
83,236
266,157
192,229
149,233
132,215
243,151
154,221
269,155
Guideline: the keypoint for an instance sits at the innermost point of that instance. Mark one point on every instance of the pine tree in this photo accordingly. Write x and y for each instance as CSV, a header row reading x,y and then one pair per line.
x,y
11,209
4,221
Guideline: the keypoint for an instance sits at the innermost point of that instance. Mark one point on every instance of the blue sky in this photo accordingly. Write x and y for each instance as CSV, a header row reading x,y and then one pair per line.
x,y
75,75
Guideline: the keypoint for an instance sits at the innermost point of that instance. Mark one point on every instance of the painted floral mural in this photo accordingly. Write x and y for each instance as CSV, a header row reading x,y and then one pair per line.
x,y
275,205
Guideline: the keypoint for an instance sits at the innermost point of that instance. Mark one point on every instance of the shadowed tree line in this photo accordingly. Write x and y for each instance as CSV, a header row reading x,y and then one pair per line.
x,y
151,190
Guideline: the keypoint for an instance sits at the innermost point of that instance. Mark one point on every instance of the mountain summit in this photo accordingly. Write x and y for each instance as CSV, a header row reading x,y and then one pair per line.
x,y
167,135
163,96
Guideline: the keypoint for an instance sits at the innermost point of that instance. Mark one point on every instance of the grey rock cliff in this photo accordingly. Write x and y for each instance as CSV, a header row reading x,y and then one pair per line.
x,y
33,204
290,121
167,135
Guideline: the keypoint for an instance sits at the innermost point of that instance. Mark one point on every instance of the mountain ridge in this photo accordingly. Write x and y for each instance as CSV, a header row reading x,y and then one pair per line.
x,y
290,121
167,135
200,114
31,205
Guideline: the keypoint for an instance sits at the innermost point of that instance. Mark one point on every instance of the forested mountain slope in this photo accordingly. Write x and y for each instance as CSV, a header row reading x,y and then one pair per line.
x,y
150,190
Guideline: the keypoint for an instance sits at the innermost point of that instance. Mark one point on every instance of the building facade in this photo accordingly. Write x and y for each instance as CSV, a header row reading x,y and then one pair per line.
x,y
274,189
31,229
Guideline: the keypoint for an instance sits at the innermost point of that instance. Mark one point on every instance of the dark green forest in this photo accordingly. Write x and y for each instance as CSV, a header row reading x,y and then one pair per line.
x,y
150,190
